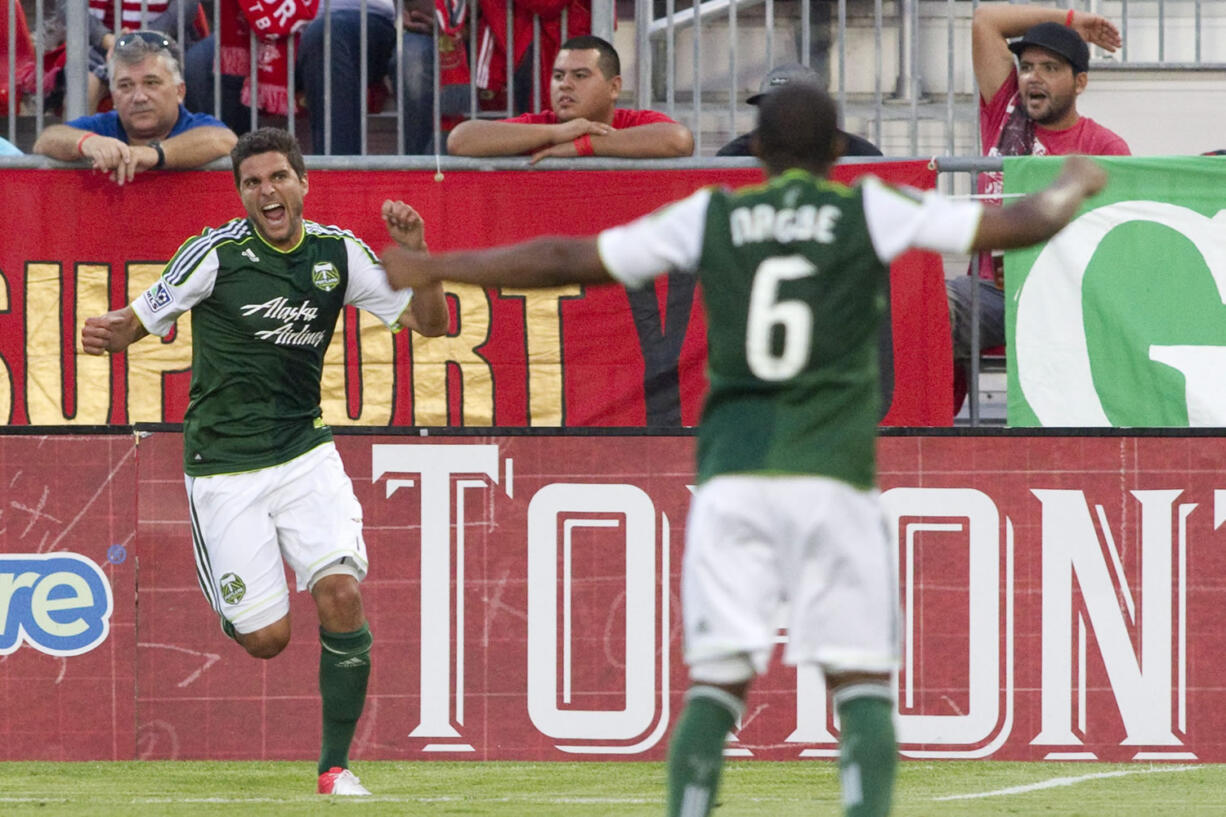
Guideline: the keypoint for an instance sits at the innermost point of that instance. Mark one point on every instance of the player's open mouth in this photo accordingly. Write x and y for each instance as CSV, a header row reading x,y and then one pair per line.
x,y
273,213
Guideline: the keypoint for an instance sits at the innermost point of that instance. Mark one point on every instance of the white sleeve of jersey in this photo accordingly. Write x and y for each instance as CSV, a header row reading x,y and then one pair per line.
x,y
368,288
901,218
187,280
668,239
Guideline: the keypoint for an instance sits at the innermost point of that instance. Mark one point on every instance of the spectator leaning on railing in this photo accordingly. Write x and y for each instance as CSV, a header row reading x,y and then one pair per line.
x,y
149,128
585,120
1025,108
149,15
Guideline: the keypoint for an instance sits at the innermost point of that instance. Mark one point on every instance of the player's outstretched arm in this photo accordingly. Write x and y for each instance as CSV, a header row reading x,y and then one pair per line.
x,y
1040,215
112,332
536,264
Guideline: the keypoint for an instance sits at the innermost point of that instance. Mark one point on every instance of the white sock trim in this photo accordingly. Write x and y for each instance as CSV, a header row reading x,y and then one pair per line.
x,y
867,689
720,696
694,801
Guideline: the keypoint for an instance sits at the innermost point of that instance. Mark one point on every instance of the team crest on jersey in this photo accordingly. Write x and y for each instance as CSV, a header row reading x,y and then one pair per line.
x,y
325,276
232,588
158,296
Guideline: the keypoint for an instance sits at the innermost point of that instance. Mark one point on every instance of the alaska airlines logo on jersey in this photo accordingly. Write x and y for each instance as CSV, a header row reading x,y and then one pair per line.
x,y
325,276
59,603
158,296
764,223
281,309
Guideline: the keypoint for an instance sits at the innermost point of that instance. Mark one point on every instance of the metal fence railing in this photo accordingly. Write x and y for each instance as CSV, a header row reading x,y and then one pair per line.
x,y
900,69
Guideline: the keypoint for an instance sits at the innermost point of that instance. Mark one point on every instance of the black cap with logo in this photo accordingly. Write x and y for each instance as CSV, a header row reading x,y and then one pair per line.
x,y
1058,39
782,75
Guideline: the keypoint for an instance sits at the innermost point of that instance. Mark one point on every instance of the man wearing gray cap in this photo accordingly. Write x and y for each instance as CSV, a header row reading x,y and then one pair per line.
x,y
1026,108
848,145
779,76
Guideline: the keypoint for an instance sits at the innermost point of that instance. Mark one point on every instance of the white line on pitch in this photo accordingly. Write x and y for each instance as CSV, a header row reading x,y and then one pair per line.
x,y
1056,782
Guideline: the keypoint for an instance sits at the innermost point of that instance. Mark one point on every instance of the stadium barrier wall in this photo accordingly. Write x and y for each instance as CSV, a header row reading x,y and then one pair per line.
x,y
76,245
1061,599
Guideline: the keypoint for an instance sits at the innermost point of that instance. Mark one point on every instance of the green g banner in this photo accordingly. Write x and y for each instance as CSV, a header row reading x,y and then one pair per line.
x,y
1120,320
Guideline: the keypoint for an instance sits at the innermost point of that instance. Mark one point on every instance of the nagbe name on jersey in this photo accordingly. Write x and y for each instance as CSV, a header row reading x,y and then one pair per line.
x,y
762,222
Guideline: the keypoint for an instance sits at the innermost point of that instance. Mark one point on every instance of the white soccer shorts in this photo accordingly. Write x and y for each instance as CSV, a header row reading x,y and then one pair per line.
x,y
244,524
807,553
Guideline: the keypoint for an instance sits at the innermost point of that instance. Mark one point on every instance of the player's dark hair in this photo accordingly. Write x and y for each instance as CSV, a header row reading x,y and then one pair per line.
x,y
797,127
608,62
267,140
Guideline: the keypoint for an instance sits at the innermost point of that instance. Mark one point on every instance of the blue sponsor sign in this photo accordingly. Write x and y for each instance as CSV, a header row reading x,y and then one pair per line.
x,y
58,603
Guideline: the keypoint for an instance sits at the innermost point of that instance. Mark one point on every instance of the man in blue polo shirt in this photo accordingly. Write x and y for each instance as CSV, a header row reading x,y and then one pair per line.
x,y
149,129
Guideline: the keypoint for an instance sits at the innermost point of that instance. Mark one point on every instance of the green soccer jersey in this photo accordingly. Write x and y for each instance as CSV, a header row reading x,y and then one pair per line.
x,y
261,323
794,277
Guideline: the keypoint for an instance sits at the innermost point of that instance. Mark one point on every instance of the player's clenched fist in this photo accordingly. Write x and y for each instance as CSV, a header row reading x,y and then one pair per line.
x,y
112,332
404,225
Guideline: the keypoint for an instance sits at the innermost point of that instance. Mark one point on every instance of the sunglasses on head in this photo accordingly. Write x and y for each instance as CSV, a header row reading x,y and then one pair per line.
x,y
151,37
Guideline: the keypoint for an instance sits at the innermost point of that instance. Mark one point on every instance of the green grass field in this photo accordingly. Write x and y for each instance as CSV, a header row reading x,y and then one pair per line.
x,y
749,789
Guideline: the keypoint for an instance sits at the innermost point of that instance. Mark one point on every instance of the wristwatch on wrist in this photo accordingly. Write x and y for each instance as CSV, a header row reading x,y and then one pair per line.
x,y
156,145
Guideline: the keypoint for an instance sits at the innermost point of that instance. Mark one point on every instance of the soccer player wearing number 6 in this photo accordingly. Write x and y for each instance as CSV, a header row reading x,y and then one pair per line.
x,y
793,276
264,481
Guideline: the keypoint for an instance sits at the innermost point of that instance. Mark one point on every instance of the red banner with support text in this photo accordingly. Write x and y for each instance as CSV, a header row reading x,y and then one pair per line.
x,y
77,245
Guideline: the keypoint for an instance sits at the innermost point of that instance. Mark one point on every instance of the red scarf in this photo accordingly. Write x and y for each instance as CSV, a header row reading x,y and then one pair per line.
x,y
129,10
273,21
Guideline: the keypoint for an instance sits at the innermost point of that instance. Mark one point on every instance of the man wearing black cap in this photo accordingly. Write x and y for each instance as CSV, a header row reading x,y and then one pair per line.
x,y
1027,107
779,76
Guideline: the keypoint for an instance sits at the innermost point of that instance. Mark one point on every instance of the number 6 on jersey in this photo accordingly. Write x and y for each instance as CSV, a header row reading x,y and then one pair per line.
x,y
766,312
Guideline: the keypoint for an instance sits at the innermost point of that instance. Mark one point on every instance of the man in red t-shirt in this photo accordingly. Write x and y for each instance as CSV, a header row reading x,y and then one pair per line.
x,y
585,120
1027,108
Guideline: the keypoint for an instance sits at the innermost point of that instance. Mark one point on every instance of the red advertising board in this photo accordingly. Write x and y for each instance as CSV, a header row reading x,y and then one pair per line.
x,y
77,245
1060,599
68,579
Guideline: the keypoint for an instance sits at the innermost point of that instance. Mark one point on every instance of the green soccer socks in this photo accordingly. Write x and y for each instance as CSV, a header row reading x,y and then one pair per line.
x,y
344,667
868,754
696,753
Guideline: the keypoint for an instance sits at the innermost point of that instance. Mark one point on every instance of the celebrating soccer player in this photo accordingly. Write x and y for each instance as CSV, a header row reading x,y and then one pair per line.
x,y
794,275
264,480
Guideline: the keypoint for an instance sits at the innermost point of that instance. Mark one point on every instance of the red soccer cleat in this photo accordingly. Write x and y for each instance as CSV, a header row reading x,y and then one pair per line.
x,y
342,782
